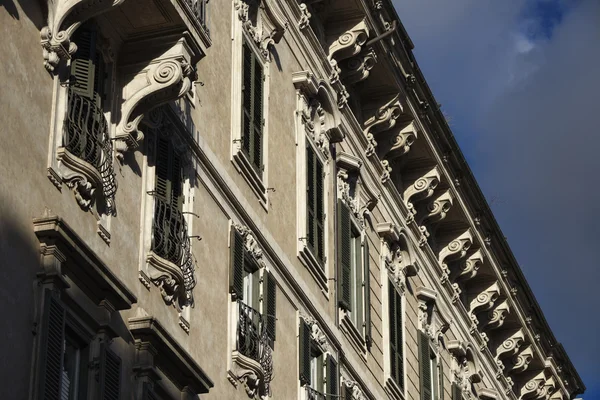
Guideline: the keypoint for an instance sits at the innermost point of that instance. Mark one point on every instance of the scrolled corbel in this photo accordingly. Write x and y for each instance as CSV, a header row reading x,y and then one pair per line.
x,y
456,248
485,299
510,345
422,188
349,43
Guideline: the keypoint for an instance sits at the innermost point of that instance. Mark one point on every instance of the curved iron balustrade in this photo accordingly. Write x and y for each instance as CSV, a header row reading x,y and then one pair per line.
x,y
170,240
313,394
253,340
86,137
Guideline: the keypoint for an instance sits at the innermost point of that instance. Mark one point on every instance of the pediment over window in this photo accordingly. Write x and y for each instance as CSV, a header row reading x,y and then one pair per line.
x,y
156,348
64,252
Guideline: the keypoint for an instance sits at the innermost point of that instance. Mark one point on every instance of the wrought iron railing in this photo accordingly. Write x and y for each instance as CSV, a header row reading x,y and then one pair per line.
x,y
170,240
199,9
313,394
253,340
86,137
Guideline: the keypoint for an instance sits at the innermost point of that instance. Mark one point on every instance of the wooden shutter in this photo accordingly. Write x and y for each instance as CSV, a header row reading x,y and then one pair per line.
x,y
396,344
110,374
310,197
425,366
320,212
236,274
367,291
271,304
149,393
344,235
304,353
246,98
456,392
441,384
257,104
162,187
83,64
52,346
332,379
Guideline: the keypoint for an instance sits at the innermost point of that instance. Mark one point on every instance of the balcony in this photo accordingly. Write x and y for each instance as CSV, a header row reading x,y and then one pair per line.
x,y
253,354
87,153
170,255
313,394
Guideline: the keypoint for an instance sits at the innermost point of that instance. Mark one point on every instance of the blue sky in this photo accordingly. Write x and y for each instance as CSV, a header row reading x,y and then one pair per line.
x,y
519,81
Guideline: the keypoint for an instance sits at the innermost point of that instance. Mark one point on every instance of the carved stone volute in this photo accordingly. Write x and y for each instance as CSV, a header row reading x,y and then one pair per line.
x,y
316,333
467,268
510,345
167,77
349,43
422,188
434,211
485,299
497,315
64,17
357,68
456,248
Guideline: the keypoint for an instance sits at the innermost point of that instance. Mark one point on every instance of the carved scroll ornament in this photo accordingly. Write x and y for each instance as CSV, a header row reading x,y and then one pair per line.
x,y
64,17
422,188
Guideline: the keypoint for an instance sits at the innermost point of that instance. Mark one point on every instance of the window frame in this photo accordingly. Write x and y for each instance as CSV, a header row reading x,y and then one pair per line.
x,y
257,180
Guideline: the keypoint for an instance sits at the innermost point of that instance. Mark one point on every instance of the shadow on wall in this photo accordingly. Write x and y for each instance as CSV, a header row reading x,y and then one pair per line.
x,y
19,263
34,10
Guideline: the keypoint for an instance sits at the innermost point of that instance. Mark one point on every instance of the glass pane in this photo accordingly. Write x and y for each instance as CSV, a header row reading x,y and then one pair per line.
x,y
71,368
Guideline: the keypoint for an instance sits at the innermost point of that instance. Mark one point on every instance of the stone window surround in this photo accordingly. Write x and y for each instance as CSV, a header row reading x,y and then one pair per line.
x,y
146,256
241,369
320,341
391,387
242,31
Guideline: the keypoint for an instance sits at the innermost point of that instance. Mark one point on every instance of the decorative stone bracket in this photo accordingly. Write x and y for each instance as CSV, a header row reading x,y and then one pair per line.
x,y
422,188
397,256
539,387
484,300
316,333
497,316
432,319
468,268
384,119
456,248
352,390
349,43
64,17
510,346
467,370
358,68
167,77
271,28
432,212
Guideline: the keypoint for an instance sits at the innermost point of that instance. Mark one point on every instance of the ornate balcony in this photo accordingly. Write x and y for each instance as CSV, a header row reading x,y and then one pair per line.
x,y
171,256
87,153
253,355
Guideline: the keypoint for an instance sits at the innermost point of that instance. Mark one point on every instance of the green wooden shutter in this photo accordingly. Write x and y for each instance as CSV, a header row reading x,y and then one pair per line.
x,y
83,64
247,98
424,366
258,121
441,385
456,392
304,353
271,304
332,379
367,291
319,210
110,374
162,186
344,235
236,275
52,346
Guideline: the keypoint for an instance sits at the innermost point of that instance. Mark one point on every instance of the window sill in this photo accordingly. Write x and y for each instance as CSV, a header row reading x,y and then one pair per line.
x,y
316,269
353,334
246,169
393,390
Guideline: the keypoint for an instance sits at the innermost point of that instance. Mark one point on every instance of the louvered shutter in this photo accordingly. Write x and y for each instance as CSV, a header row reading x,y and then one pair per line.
x,y
344,235
332,379
236,275
425,366
456,392
149,393
83,64
246,98
441,385
367,291
176,174
310,197
319,210
257,105
304,353
271,304
52,346
396,343
110,374
162,187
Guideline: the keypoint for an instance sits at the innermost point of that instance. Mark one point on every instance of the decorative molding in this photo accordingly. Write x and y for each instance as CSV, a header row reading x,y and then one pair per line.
x,y
353,390
64,17
434,211
269,26
79,176
538,387
497,316
485,300
456,248
422,188
168,277
401,142
384,119
316,333
521,361
487,394
467,268
349,43
250,243
305,15
358,68
510,346
166,78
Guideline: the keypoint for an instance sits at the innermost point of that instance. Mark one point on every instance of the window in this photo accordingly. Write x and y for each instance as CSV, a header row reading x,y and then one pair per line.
x,y
254,291
396,340
430,370
252,107
353,274
64,356
318,370
315,214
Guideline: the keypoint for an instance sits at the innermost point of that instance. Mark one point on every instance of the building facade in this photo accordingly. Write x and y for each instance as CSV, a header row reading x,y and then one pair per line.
x,y
247,199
